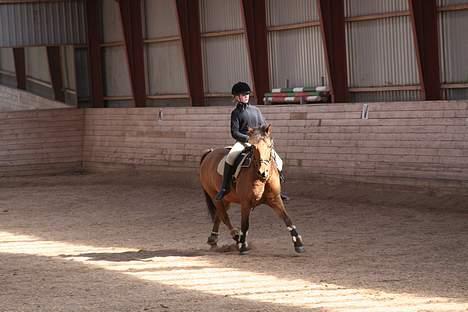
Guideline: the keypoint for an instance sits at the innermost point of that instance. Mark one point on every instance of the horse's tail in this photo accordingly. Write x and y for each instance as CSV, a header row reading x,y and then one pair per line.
x,y
210,205
205,152
209,202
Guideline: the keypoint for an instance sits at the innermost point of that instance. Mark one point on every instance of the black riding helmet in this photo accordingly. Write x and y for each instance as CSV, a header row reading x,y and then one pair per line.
x,y
240,88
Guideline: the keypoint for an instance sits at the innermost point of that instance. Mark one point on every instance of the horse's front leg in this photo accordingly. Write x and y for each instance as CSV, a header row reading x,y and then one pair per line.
x,y
245,217
277,204
213,238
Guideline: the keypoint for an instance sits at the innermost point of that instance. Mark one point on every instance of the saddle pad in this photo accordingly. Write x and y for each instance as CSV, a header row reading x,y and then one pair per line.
x,y
221,163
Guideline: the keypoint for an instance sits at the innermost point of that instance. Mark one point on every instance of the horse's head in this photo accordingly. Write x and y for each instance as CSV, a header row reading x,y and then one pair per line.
x,y
262,144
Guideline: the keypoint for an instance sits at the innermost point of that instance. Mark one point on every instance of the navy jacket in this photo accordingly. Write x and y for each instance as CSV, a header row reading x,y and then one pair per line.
x,y
243,117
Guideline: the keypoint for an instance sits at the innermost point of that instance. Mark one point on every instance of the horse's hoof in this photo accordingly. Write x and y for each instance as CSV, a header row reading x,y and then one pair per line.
x,y
299,249
212,241
243,252
244,249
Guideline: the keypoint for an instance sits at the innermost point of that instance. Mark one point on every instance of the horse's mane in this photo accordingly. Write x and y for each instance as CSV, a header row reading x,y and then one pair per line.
x,y
258,134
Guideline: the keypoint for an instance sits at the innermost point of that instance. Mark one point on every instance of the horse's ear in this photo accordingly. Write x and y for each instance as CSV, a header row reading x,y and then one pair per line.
x,y
268,130
250,131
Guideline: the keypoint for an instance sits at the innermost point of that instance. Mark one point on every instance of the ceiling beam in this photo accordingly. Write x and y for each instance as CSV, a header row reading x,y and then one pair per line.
x,y
20,67
130,13
425,29
189,27
55,69
255,24
94,53
332,25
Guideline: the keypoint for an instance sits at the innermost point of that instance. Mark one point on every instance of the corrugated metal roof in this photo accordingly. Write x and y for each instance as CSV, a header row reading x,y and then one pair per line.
x,y
381,53
112,22
368,7
7,61
166,68
386,96
218,15
225,62
161,19
297,58
453,43
450,2
37,64
280,12
117,79
39,24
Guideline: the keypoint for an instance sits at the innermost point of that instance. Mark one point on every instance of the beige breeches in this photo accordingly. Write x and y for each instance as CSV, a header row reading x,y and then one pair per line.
x,y
239,147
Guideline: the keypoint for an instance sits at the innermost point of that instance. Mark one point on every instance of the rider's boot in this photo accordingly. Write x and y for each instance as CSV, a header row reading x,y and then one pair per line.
x,y
282,179
227,179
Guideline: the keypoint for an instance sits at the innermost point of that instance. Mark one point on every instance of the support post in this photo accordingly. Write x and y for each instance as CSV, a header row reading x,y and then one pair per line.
x,y
332,24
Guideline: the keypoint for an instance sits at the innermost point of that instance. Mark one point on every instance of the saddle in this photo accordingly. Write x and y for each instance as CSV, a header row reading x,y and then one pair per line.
x,y
244,160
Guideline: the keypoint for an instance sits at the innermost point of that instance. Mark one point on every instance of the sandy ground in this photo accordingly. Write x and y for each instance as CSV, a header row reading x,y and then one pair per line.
x,y
136,242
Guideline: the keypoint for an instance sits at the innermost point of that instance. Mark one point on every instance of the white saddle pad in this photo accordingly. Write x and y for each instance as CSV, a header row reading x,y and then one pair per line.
x,y
223,161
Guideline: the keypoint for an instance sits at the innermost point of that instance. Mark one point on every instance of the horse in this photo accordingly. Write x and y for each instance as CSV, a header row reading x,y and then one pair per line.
x,y
255,185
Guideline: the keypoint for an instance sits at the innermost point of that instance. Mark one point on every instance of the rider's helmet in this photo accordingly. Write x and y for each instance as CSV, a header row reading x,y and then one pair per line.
x,y
240,88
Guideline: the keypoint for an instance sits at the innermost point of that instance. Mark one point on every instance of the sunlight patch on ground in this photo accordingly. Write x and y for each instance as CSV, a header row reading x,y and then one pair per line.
x,y
198,274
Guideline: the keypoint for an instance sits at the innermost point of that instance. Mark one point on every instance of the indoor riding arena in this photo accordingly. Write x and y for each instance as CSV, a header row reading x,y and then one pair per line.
x,y
107,106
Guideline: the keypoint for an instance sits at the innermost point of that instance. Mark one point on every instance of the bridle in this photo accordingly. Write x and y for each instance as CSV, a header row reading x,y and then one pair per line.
x,y
258,162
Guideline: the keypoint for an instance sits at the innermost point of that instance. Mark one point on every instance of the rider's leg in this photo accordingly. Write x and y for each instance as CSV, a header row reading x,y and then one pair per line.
x,y
279,166
229,169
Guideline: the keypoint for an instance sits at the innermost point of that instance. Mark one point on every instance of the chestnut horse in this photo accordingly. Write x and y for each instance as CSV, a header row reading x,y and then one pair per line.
x,y
255,185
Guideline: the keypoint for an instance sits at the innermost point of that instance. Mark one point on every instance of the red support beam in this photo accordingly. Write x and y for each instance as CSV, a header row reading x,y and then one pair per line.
x,y
20,67
189,25
130,13
255,24
332,24
424,18
55,69
94,52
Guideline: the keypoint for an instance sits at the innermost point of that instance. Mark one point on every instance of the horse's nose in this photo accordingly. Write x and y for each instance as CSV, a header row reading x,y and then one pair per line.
x,y
263,174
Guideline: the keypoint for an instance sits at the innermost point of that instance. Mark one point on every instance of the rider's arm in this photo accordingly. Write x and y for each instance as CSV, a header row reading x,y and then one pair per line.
x,y
235,132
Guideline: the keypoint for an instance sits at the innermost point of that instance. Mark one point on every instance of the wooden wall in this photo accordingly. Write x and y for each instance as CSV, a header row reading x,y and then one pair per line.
x,y
40,141
413,143
422,143
15,100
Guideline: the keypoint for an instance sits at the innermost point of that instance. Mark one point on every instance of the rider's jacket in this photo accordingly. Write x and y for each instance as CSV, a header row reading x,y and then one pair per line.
x,y
243,117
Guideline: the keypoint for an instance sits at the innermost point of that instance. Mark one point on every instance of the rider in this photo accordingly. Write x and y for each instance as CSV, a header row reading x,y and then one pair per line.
x,y
243,117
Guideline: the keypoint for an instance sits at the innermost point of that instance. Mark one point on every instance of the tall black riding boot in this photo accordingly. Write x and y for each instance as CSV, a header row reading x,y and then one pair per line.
x,y
283,195
227,179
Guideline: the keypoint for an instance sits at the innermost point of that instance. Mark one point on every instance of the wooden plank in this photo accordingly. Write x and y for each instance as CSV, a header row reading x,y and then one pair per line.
x,y
374,17
225,33
293,26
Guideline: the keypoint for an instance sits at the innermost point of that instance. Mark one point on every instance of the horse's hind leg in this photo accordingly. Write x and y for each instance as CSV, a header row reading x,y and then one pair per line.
x,y
277,204
213,238
221,215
